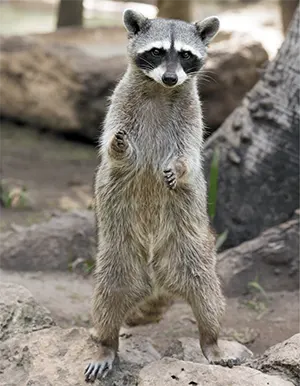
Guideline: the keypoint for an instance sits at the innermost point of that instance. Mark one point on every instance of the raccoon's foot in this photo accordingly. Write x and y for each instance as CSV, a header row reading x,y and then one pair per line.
x,y
170,178
176,170
119,145
99,369
214,356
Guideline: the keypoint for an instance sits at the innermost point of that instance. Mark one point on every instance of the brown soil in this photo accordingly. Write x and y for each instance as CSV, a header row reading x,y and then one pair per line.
x,y
58,175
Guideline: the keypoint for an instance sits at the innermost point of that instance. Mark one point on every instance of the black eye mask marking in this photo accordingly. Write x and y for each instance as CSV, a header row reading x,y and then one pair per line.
x,y
151,59
190,63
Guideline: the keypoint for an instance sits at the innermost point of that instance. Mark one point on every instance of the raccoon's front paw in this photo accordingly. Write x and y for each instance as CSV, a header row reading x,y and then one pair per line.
x,y
120,142
170,178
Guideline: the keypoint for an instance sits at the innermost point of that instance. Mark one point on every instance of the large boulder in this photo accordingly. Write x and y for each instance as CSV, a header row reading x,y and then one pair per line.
x,y
171,372
65,88
35,352
57,244
188,349
20,313
58,357
283,359
272,258
55,86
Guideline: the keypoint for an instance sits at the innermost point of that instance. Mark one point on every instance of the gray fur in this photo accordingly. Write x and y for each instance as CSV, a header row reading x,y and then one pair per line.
x,y
208,29
152,235
133,21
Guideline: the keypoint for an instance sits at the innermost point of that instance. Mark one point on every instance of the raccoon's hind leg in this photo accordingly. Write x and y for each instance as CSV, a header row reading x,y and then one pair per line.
x,y
185,266
121,283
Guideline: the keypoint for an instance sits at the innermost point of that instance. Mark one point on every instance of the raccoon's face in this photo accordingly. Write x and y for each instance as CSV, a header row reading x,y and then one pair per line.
x,y
168,51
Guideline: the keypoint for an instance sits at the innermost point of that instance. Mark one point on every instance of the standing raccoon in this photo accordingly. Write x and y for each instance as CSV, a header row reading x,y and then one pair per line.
x,y
150,193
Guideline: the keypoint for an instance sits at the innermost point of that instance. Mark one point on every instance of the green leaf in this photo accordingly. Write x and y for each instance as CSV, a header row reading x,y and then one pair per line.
x,y
213,184
255,285
221,239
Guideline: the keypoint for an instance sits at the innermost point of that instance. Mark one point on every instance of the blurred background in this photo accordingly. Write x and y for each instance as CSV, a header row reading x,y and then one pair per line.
x,y
46,16
60,61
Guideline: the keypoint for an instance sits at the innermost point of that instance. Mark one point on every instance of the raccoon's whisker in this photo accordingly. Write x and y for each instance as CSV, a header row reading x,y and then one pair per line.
x,y
150,64
203,74
190,74
207,78
194,68
204,70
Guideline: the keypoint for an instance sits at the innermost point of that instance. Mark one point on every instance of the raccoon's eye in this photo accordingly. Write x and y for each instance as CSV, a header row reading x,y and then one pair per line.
x,y
156,52
185,54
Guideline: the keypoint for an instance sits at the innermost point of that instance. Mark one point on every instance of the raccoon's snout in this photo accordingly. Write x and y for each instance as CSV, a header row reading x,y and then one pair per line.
x,y
169,78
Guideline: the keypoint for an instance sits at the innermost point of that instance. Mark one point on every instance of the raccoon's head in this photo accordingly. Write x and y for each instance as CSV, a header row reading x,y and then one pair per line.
x,y
168,51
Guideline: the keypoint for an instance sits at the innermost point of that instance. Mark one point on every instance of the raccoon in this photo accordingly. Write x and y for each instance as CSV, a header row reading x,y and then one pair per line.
x,y
153,229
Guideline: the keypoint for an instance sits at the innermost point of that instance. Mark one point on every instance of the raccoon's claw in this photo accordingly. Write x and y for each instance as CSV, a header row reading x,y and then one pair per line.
x,y
97,370
216,357
227,362
120,141
170,178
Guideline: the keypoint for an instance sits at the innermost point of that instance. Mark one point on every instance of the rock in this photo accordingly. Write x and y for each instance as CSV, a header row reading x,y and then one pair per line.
x,y
33,352
253,260
55,86
188,349
52,245
65,88
171,372
283,359
232,70
19,312
58,357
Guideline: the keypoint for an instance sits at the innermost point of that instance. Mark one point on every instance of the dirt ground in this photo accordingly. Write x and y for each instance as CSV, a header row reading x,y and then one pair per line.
x,y
58,174
67,296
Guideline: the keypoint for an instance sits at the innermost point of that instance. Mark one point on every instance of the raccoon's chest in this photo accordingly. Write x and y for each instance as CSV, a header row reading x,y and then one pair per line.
x,y
156,134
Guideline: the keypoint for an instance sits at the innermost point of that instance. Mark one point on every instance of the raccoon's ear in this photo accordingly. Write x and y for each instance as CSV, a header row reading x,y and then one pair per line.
x,y
208,28
133,21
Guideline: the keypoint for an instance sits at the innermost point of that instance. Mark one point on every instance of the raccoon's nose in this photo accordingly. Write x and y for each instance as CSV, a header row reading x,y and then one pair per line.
x,y
169,78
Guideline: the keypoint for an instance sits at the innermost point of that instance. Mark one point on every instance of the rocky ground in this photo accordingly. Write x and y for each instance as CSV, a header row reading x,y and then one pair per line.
x,y
36,352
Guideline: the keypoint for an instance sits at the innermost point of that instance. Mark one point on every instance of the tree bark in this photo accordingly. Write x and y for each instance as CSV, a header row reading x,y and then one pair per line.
x,y
258,183
287,9
174,9
1,189
271,259
70,13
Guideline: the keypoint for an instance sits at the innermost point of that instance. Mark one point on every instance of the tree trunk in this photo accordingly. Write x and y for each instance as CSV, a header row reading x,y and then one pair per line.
x,y
287,8
272,259
1,189
258,183
174,9
70,13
